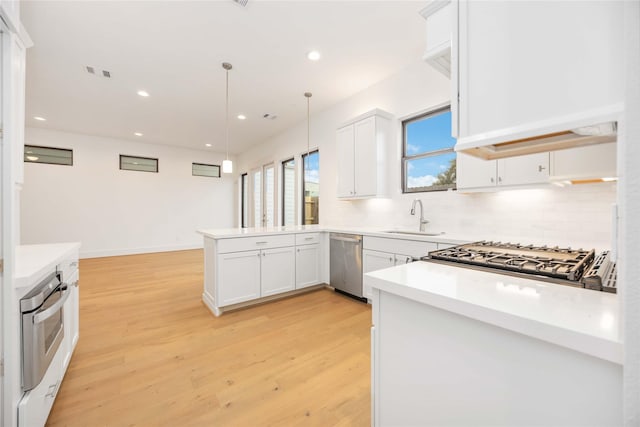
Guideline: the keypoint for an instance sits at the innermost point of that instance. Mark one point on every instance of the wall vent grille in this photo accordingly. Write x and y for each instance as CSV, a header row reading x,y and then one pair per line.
x,y
242,3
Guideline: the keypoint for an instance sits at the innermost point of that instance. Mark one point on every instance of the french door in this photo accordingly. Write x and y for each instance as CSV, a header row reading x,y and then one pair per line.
x,y
263,189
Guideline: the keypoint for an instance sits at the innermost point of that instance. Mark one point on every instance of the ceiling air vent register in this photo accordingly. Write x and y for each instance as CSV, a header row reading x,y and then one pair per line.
x,y
242,3
103,73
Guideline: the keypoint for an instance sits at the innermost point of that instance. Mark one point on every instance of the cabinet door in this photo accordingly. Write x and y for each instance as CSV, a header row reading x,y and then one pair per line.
x,y
70,314
525,62
473,172
278,271
345,160
365,154
307,265
530,169
372,261
403,259
238,277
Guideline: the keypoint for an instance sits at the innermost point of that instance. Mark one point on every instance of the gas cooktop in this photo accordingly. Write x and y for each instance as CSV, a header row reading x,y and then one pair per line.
x,y
573,267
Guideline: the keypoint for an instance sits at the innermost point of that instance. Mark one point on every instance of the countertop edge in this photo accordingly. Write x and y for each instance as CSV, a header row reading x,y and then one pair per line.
x,y
25,280
240,233
595,346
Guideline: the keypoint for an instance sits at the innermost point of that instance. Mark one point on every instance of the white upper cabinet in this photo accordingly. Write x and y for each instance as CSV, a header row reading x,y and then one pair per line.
x,y
523,66
475,173
437,13
362,152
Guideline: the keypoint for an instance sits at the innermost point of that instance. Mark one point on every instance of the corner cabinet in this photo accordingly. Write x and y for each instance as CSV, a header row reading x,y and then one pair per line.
x,y
521,66
361,151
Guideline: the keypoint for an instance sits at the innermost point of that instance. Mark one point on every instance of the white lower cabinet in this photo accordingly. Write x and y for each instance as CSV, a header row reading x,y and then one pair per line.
x,y
34,408
307,265
239,270
71,316
277,272
372,261
240,274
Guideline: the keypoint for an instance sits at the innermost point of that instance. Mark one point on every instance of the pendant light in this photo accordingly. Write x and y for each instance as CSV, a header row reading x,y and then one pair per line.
x,y
227,165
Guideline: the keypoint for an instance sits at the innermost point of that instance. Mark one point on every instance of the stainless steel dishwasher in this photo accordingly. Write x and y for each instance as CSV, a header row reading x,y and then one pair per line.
x,y
346,264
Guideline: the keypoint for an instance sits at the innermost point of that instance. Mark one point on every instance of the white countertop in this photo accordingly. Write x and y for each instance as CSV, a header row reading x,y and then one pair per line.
x,y
34,262
580,319
228,233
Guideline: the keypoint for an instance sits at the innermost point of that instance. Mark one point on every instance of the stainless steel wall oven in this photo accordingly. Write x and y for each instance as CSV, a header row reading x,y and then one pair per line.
x,y
42,327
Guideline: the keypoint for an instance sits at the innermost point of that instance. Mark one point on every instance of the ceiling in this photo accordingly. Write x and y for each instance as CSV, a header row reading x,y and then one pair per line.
x,y
174,50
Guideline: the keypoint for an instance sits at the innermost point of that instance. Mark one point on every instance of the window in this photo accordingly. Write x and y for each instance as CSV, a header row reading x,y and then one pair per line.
x,y
428,159
244,221
48,155
310,187
288,192
201,169
141,164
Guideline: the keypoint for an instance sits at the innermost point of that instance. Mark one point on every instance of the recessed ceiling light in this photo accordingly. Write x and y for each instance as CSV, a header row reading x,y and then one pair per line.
x,y
32,158
41,119
137,134
241,117
314,55
143,93
208,145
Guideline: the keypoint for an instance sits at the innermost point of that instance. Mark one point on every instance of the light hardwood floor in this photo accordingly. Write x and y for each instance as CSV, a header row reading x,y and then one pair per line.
x,y
150,353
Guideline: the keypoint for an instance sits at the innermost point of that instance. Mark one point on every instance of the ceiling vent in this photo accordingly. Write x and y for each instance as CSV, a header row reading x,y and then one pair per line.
x,y
103,73
242,3
269,116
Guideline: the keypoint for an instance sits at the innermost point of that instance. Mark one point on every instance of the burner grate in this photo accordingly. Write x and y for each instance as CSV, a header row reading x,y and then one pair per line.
x,y
561,263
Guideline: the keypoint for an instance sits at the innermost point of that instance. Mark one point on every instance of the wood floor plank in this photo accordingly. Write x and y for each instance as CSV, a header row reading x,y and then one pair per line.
x,y
151,354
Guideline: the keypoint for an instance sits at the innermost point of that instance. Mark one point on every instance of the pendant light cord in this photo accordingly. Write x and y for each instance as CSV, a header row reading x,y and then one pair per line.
x,y
226,136
308,96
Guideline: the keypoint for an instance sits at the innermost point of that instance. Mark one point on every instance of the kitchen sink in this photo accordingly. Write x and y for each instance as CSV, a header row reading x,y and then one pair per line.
x,y
415,233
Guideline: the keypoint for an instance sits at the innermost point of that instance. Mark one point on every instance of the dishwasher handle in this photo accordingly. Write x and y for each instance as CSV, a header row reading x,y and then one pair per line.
x,y
346,239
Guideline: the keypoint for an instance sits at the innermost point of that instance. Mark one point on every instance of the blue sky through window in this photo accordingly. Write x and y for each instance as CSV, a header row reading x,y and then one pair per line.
x,y
429,134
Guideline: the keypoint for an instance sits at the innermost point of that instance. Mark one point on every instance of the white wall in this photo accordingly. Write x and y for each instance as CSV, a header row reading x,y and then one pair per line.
x,y
115,212
575,216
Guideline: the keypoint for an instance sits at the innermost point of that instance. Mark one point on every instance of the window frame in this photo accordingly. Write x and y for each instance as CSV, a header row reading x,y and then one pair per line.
x,y
302,218
206,164
282,169
139,157
406,158
24,155
243,220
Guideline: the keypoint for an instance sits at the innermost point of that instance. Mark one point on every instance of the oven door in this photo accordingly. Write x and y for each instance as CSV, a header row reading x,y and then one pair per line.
x,y
42,332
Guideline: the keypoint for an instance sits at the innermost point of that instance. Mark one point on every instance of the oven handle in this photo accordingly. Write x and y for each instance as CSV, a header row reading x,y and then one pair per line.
x,y
44,315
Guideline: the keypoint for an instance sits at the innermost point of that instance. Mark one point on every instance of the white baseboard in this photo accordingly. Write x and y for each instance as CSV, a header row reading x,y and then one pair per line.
x,y
134,251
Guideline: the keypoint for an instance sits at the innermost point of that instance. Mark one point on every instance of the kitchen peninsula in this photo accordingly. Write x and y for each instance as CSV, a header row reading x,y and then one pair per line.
x,y
245,266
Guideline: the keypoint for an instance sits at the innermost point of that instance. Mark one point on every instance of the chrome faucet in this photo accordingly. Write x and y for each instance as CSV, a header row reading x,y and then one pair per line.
x,y
423,222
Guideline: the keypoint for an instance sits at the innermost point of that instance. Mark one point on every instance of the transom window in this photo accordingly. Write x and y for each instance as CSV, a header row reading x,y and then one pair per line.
x,y
428,158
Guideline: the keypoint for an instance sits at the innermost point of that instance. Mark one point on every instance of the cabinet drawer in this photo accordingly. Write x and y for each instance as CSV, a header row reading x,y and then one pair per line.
x,y
36,404
413,248
307,238
253,243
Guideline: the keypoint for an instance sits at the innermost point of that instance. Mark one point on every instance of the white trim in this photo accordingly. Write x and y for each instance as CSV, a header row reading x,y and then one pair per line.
x,y
432,7
542,127
136,251
375,112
